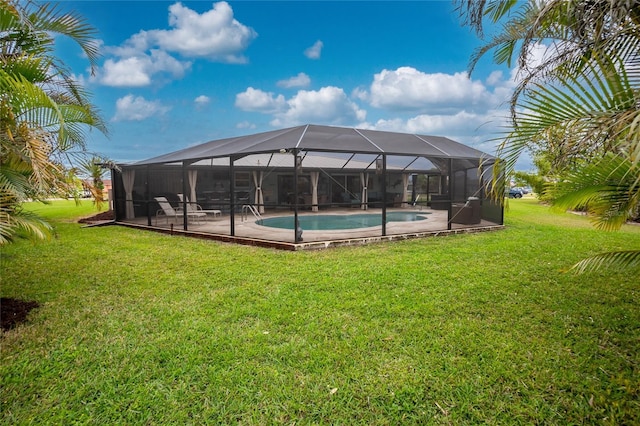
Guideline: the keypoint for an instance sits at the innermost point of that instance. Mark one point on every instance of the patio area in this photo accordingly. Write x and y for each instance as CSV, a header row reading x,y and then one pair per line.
x,y
249,231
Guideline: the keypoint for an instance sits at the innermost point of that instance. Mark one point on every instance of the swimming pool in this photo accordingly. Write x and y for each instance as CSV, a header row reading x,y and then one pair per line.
x,y
327,222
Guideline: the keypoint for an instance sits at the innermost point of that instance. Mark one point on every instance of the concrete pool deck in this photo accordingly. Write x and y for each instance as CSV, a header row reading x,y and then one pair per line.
x,y
247,231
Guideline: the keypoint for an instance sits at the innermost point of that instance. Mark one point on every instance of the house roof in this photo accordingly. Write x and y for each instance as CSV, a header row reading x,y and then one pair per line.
x,y
323,139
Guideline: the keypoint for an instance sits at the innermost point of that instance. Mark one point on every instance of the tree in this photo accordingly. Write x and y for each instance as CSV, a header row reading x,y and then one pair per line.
x,y
550,160
582,100
44,112
93,167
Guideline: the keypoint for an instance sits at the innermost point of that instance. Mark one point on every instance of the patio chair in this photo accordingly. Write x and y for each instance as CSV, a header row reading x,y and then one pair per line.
x,y
196,210
468,213
166,210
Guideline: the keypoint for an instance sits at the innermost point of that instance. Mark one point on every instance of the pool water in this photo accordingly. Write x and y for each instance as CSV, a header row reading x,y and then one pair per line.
x,y
327,222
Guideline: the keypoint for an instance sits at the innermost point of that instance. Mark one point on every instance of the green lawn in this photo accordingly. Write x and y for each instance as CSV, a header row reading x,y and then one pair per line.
x,y
141,328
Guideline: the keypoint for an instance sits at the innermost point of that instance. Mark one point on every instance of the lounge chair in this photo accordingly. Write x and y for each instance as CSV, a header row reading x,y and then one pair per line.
x,y
196,210
166,210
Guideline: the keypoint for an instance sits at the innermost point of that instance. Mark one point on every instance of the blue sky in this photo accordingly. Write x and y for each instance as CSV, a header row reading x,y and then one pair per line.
x,y
176,74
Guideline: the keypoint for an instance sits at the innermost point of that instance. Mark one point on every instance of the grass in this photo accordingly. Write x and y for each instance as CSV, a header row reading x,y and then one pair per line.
x,y
141,328
64,210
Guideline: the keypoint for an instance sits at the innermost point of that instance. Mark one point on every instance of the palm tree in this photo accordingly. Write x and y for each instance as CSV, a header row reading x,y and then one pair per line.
x,y
44,113
587,89
93,167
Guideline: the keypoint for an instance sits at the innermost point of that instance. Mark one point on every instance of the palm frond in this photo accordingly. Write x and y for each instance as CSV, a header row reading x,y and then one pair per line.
x,y
20,223
507,40
14,185
473,12
587,107
608,189
627,259
29,27
35,106
48,18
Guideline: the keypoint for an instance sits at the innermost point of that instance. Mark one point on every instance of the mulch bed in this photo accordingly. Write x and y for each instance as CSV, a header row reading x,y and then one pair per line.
x,y
108,215
14,311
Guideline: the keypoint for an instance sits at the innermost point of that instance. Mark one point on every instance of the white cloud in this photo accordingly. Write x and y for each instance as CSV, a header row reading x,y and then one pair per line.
x,y
474,129
214,34
79,79
328,105
161,61
300,80
137,71
360,94
495,78
259,101
245,125
135,45
407,88
314,51
130,108
462,122
537,55
202,101
128,72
